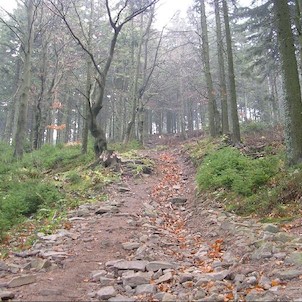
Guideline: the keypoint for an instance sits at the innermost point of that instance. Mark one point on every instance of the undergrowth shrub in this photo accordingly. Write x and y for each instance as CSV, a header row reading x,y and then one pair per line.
x,y
254,127
228,168
23,199
280,198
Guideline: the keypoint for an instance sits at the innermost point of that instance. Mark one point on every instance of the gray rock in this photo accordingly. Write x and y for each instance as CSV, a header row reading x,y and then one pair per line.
x,y
120,298
106,293
167,297
22,280
14,268
84,212
239,278
106,209
263,252
228,257
129,289
159,296
136,265
200,294
217,276
265,282
123,189
188,284
95,275
157,265
143,238
145,289
135,279
157,274
3,266
50,292
164,278
271,228
255,295
5,295
54,255
113,262
104,281
141,251
52,237
149,210
201,281
178,200
130,245
287,274
184,277
76,218
252,280
280,255
294,258
39,263
283,237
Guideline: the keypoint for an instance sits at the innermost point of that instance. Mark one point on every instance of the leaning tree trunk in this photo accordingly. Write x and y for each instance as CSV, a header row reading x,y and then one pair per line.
x,y
292,90
26,82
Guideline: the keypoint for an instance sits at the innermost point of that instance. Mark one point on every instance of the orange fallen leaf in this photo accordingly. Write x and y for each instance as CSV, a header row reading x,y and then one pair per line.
x,y
228,297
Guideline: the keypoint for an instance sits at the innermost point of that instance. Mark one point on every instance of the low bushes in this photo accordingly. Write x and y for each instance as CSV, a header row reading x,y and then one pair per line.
x,y
228,168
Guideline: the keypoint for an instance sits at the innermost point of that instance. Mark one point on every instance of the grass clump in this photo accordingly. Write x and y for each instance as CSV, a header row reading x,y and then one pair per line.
x,y
228,168
22,199
123,148
280,198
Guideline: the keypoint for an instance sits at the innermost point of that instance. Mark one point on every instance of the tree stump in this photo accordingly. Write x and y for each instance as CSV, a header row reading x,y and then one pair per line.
x,y
107,159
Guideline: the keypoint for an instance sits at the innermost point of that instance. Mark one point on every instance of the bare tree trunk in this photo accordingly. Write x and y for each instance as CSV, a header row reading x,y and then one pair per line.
x,y
26,82
233,98
206,60
134,92
223,88
88,83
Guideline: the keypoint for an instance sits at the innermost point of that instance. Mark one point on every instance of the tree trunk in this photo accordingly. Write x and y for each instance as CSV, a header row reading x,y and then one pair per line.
x,y
134,91
292,91
88,84
26,82
233,98
223,88
207,70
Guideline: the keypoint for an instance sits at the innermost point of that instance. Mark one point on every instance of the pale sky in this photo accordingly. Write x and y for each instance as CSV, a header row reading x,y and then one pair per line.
x,y
8,4
165,8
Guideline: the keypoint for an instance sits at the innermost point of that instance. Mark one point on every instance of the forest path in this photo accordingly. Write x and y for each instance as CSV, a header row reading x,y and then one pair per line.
x,y
153,240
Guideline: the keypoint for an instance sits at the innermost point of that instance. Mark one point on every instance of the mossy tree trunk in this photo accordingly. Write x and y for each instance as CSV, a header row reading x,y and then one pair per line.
x,y
292,90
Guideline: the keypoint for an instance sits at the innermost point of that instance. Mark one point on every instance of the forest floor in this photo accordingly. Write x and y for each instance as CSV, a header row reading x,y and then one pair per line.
x,y
155,240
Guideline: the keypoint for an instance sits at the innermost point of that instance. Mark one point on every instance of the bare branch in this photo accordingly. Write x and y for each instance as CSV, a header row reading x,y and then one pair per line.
x,y
80,21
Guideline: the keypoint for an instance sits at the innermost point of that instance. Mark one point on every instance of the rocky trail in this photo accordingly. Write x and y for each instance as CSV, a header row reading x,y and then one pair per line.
x,y
154,240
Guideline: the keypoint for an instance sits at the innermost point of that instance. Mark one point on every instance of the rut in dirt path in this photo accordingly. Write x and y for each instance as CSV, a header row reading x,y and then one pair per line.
x,y
155,241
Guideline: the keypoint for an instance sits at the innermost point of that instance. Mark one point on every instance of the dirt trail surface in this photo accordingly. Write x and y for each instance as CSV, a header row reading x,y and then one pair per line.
x,y
153,240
